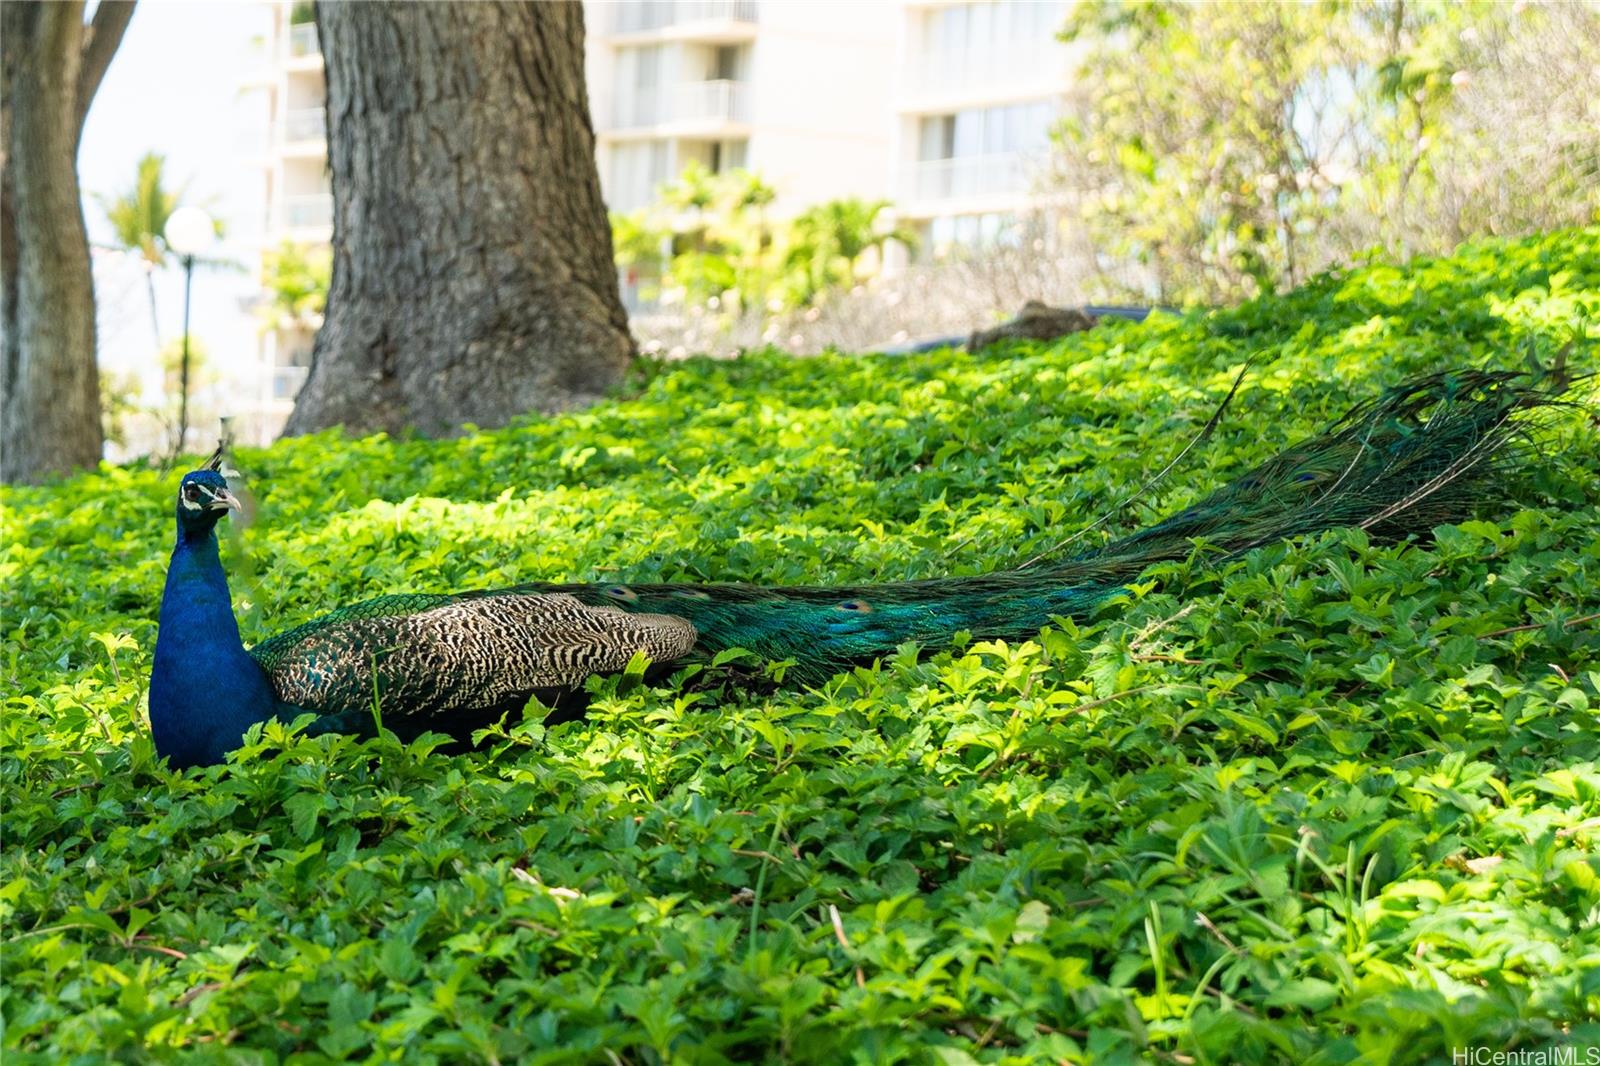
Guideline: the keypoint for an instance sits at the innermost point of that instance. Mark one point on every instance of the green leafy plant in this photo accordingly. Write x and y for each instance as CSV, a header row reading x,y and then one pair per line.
x,y
1232,149
722,246
296,279
1333,800
714,248
828,242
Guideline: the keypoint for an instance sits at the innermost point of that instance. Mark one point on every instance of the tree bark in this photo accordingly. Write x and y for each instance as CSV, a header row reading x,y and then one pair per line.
x,y
50,67
473,278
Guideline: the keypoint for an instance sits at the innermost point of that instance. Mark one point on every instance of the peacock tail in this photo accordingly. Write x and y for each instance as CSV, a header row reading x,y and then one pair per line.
x,y
1420,455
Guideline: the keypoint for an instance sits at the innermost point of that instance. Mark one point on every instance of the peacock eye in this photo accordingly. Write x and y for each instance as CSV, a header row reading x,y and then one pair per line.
x,y
191,492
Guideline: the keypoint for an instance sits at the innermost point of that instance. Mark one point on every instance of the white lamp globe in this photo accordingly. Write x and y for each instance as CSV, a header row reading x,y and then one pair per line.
x,y
189,231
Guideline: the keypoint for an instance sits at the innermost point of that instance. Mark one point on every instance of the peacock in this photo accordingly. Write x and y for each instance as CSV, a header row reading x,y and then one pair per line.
x,y
1421,454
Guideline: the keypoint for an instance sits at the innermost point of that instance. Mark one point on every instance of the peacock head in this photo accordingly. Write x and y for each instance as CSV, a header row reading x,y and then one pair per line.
x,y
203,498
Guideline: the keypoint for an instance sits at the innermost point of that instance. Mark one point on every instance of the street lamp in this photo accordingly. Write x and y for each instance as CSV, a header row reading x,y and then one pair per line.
x,y
189,231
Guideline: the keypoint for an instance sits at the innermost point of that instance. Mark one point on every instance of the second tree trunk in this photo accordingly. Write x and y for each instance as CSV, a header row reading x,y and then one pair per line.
x,y
473,277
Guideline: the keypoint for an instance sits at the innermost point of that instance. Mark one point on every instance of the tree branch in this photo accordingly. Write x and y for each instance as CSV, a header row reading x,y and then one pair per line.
x,y
100,43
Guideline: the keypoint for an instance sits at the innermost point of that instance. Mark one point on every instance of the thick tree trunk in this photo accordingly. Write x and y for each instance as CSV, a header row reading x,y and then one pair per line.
x,y
473,278
50,423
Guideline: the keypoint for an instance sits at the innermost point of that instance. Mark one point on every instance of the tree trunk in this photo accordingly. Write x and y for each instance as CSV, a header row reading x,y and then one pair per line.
x,y
50,383
473,278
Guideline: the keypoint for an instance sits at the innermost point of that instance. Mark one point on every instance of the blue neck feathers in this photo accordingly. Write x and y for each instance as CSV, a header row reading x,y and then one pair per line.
x,y
205,690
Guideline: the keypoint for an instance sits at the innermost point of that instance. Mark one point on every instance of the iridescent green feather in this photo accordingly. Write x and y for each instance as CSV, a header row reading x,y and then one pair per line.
x,y
1419,456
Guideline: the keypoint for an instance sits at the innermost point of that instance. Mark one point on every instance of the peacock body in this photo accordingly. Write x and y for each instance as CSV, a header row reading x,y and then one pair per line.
x,y
1419,455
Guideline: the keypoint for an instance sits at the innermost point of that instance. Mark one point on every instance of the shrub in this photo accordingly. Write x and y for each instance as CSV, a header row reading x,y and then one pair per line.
x,y
1231,149
1332,801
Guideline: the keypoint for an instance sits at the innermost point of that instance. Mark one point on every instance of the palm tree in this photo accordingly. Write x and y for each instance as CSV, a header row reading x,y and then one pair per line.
x,y
829,239
750,189
694,190
139,219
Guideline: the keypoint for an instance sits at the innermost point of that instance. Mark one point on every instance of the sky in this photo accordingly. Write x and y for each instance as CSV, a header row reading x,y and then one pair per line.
x,y
175,86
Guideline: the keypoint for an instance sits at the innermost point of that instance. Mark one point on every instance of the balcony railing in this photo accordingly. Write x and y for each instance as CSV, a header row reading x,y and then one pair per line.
x,y
308,212
952,70
713,101
641,16
305,124
635,190
302,40
981,175
695,101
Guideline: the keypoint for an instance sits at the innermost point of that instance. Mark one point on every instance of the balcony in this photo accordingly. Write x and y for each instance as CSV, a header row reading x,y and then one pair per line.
x,y
308,212
711,101
650,16
699,103
303,40
971,176
985,72
305,124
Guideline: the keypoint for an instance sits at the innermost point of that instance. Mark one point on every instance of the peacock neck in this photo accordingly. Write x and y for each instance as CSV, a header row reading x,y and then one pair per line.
x,y
205,689
197,592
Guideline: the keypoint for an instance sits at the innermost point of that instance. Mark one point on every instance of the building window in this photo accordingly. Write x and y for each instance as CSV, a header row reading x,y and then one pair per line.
x,y
637,171
976,43
972,132
950,233
295,348
730,63
640,83
635,16
726,155
937,139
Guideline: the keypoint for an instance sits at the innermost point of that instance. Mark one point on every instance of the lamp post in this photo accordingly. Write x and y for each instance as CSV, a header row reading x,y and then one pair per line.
x,y
189,231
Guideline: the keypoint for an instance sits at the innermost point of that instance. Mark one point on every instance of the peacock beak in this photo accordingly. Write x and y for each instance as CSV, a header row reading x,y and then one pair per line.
x,y
223,500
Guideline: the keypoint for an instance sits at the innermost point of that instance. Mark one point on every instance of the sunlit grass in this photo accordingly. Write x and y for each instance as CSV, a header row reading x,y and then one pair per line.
x,y
1335,802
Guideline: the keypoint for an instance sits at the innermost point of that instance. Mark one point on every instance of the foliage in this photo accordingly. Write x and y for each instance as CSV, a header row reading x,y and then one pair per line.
x,y
1236,148
1331,801
828,242
119,405
637,239
1515,147
944,296
295,278
139,216
722,245
139,220
202,373
714,246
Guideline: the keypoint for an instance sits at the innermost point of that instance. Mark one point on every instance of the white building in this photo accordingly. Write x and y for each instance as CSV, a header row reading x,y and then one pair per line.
x,y
978,87
942,108
791,90
299,200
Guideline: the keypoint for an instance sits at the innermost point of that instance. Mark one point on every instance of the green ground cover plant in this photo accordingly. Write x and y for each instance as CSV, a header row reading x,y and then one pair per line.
x,y
1333,801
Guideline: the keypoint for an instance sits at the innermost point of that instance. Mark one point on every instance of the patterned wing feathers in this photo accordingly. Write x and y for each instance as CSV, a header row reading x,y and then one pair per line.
x,y
469,653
